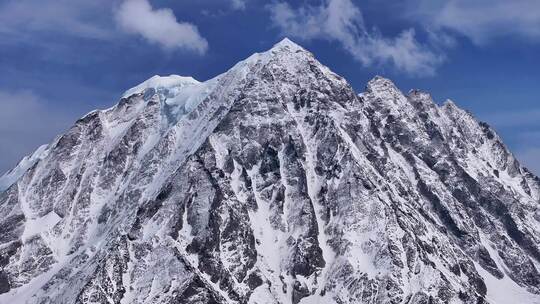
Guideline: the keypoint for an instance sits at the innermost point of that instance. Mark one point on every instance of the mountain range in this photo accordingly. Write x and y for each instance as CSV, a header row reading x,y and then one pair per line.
x,y
274,182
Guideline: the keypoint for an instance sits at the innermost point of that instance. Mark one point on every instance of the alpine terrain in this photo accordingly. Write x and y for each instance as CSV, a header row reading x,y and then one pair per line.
x,y
271,183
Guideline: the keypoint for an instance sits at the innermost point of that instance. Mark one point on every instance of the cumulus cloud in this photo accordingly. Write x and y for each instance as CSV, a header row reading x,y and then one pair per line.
x,y
480,20
342,21
25,21
159,26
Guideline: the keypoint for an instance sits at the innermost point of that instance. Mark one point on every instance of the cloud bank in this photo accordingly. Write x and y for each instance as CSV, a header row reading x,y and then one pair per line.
x,y
159,26
342,21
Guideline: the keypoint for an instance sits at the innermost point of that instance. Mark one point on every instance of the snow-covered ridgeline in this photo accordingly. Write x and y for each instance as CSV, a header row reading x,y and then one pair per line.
x,y
272,183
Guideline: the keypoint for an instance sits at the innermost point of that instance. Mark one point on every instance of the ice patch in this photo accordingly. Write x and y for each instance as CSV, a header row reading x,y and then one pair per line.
x,y
38,225
261,295
160,82
317,299
505,290
26,163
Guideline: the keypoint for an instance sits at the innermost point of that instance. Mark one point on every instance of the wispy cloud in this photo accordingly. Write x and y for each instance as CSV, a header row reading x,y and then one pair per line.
x,y
32,21
23,125
159,26
239,4
75,18
342,21
480,20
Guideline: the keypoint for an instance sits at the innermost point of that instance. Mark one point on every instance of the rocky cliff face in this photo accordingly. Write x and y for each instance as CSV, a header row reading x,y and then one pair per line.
x,y
272,183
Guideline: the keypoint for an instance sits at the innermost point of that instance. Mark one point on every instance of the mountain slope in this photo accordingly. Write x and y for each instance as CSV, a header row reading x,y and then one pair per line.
x,y
272,183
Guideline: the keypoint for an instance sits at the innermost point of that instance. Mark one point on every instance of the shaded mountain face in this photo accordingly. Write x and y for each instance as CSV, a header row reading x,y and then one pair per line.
x,y
271,183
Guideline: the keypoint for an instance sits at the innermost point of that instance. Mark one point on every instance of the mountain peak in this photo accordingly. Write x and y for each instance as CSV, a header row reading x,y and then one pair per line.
x,y
379,81
287,43
176,81
157,82
384,89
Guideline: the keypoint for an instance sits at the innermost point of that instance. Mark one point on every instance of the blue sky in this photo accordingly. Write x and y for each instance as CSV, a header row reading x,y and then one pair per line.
x,y
60,59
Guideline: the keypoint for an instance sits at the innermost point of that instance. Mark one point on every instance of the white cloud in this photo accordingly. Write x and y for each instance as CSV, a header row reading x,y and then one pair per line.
x,y
159,26
342,21
480,20
24,21
239,4
75,18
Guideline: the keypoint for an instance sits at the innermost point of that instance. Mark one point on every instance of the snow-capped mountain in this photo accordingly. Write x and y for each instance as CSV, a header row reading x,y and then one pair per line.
x,y
271,183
